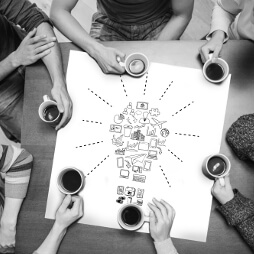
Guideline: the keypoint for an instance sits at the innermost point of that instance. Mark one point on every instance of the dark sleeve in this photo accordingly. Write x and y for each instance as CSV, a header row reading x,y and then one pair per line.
x,y
239,212
23,13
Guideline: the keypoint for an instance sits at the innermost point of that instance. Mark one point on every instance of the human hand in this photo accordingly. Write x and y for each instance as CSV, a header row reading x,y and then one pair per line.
x,y
213,45
107,59
60,95
7,238
162,216
222,193
65,216
32,48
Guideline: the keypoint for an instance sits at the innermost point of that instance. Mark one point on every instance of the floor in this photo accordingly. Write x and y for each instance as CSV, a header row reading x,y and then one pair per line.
x,y
83,11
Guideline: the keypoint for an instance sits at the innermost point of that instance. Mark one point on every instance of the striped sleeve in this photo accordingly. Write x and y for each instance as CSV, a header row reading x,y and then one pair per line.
x,y
16,170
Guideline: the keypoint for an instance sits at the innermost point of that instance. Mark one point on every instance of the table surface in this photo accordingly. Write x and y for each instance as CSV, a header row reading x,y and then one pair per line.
x,y
39,139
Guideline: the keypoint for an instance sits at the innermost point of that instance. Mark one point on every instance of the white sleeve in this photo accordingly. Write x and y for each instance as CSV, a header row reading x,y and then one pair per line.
x,y
221,20
165,247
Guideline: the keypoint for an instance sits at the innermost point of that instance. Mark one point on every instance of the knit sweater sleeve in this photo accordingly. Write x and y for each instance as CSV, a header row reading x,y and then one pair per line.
x,y
23,13
15,168
239,212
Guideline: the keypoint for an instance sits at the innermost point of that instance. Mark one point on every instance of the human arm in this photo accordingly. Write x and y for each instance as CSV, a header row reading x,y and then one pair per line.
x,y
16,169
237,209
64,218
218,34
28,16
106,57
182,13
161,220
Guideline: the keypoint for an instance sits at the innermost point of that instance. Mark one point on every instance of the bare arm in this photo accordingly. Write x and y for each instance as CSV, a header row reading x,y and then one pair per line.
x,y
63,20
182,13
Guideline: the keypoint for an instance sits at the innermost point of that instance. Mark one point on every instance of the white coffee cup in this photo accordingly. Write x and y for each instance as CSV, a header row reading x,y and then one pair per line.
x,y
215,70
47,102
216,166
133,62
70,180
131,217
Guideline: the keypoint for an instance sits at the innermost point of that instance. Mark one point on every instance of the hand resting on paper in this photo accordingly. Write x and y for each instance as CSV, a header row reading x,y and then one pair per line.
x,y
223,193
162,216
65,216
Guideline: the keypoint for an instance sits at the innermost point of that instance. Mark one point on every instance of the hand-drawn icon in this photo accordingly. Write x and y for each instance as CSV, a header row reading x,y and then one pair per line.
x,y
137,135
158,123
127,130
139,202
138,112
152,155
129,200
117,141
153,142
164,132
160,150
120,151
128,165
139,178
140,193
142,105
120,162
130,191
120,199
154,112
120,190
124,173
139,126
119,118
147,166
137,158
161,142
131,147
125,112
151,133
144,146
137,169
115,128
145,119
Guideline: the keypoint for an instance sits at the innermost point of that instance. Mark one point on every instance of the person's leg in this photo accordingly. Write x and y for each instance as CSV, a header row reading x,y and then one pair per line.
x,y
103,29
151,31
11,88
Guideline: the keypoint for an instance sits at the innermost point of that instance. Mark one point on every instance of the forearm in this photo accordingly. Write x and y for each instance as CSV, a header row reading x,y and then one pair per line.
x,y
53,61
7,66
10,213
70,27
174,28
165,247
51,244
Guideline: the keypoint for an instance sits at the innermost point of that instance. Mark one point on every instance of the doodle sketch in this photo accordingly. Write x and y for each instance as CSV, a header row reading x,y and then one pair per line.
x,y
141,138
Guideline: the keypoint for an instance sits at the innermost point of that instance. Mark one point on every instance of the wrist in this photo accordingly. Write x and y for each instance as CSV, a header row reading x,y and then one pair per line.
x,y
59,229
14,60
94,49
218,35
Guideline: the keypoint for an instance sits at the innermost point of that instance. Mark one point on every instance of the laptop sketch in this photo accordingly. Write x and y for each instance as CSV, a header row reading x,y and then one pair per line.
x,y
152,155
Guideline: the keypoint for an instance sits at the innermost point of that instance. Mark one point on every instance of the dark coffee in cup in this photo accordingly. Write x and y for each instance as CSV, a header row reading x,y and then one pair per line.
x,y
50,113
131,216
71,180
214,71
216,166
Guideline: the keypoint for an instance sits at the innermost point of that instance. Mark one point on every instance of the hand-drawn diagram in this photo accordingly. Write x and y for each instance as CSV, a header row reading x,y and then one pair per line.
x,y
139,138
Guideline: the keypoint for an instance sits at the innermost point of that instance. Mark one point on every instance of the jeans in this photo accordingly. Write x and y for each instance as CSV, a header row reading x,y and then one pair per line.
x,y
11,87
104,29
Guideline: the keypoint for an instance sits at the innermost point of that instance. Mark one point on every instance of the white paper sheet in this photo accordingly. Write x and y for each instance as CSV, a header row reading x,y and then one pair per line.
x,y
192,110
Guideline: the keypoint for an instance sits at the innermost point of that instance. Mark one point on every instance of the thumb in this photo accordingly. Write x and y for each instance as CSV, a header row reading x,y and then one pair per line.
x,y
120,54
66,202
216,51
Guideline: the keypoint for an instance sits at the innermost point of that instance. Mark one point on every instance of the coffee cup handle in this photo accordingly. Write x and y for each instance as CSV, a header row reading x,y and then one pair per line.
x,y
118,59
146,218
46,98
222,181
